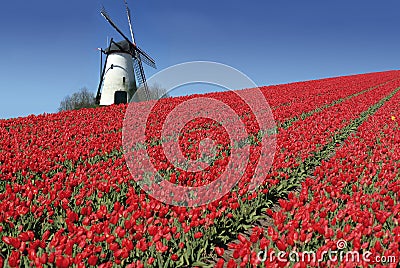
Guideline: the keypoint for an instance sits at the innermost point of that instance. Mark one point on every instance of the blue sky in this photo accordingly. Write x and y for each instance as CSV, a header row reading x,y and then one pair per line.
x,y
49,47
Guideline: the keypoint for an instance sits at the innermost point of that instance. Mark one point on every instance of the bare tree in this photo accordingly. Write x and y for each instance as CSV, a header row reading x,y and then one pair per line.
x,y
78,100
156,92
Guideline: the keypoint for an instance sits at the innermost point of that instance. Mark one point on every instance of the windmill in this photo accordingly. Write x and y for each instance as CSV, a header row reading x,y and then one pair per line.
x,y
123,60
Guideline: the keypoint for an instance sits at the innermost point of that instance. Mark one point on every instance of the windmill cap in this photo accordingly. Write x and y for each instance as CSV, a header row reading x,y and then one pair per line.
x,y
118,47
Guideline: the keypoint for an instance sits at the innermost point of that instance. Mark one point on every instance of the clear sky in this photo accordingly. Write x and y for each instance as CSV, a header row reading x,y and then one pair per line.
x,y
49,47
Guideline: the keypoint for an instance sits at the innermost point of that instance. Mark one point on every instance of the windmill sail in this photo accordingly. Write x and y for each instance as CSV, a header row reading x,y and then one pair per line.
x,y
103,12
98,95
128,14
141,78
146,58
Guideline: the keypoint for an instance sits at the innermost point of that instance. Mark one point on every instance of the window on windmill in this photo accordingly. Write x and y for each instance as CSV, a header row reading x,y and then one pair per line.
x,y
123,80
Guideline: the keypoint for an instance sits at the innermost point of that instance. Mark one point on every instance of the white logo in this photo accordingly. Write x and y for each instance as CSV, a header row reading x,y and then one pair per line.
x,y
152,133
341,244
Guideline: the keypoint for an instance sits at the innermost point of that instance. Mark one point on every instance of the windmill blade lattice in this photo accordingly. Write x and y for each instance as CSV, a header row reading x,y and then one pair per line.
x,y
146,58
141,78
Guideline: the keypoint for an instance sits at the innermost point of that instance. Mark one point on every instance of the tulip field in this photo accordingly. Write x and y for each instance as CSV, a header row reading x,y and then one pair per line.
x,y
68,199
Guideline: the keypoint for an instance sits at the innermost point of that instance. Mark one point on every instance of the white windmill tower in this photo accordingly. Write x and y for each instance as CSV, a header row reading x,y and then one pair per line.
x,y
123,60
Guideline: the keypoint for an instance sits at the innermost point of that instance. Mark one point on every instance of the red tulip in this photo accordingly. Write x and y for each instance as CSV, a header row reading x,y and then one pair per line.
x,y
198,235
14,259
219,251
